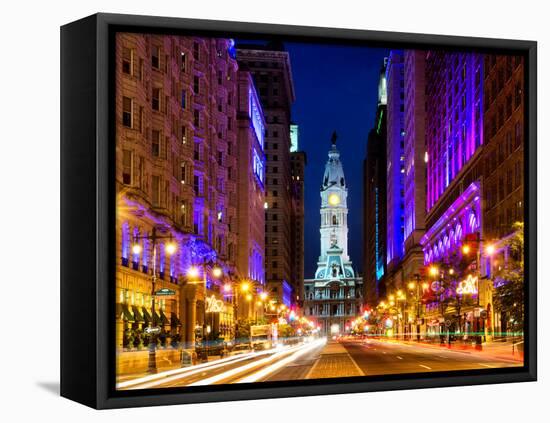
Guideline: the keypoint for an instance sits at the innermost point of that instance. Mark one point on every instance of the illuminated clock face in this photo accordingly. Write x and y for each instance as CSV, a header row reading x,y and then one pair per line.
x,y
334,199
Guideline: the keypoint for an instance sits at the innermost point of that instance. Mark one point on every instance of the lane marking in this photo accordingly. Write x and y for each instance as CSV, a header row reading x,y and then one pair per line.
x,y
400,358
426,367
361,372
384,352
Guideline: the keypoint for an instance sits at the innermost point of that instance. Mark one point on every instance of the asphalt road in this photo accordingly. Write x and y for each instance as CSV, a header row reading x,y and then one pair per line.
x,y
368,357
376,357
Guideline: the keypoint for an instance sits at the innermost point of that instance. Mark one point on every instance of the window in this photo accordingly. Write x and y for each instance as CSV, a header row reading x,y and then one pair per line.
x,y
183,61
156,137
127,159
197,185
156,99
196,118
183,173
155,57
197,151
196,51
196,84
127,61
155,199
183,135
183,99
127,106
140,70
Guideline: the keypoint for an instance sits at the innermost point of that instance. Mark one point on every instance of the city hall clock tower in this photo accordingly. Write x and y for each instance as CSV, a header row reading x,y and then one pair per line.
x,y
333,297
334,209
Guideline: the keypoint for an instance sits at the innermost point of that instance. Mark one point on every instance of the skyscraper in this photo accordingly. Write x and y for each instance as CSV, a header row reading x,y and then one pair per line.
x,y
374,200
395,167
250,188
270,67
298,162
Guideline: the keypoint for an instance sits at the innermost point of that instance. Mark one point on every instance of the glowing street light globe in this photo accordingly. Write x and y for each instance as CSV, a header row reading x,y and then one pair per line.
x,y
193,272
217,272
170,248
136,248
334,199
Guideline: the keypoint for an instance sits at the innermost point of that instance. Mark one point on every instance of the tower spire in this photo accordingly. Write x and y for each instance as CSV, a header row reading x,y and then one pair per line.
x,y
334,138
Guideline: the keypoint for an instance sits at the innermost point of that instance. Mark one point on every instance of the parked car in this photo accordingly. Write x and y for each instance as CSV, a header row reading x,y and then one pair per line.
x,y
239,349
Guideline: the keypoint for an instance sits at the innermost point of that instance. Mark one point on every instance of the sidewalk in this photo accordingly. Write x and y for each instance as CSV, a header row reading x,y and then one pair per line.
x,y
496,350
334,361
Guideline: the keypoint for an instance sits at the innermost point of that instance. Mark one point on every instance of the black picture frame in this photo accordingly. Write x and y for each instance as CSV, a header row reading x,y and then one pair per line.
x,y
87,213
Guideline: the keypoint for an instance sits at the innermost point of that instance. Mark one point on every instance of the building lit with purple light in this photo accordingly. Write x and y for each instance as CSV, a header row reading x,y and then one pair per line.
x,y
454,135
395,164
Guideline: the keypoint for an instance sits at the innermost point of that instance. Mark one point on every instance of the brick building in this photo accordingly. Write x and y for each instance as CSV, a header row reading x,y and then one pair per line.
x,y
176,178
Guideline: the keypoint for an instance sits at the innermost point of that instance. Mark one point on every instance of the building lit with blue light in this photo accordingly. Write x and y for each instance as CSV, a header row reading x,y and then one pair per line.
x,y
374,200
395,165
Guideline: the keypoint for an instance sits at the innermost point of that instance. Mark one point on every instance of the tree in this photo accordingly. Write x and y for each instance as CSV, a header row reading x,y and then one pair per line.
x,y
509,294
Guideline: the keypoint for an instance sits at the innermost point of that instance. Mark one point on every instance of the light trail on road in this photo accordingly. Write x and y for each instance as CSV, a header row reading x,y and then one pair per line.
x,y
250,366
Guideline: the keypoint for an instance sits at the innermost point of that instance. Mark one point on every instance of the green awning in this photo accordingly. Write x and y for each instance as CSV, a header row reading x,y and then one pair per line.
x,y
137,315
146,315
163,318
156,318
174,321
124,313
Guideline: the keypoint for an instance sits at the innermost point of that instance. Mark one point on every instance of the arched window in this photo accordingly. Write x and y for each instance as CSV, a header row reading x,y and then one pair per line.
x,y
472,221
334,220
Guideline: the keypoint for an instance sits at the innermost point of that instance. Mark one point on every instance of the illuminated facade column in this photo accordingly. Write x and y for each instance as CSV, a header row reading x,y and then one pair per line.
x,y
188,308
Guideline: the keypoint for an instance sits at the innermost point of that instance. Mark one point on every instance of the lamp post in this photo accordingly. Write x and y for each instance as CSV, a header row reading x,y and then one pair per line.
x,y
170,249
490,250
217,272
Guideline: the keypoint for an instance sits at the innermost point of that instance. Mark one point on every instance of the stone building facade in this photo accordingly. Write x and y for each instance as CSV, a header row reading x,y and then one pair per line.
x,y
176,181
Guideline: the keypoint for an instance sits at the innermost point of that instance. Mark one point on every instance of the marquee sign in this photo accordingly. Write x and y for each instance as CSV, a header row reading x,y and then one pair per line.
x,y
467,286
213,305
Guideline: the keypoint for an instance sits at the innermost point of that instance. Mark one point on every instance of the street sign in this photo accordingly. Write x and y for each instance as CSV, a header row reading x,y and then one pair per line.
x,y
165,292
483,314
152,330
447,323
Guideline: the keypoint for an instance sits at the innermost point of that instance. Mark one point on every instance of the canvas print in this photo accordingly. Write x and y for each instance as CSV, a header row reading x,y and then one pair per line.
x,y
291,210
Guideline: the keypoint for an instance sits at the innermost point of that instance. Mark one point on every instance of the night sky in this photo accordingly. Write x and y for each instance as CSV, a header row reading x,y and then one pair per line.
x,y
336,90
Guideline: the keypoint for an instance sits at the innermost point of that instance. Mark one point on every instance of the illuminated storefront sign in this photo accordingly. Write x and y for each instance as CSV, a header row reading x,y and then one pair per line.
x,y
467,286
213,305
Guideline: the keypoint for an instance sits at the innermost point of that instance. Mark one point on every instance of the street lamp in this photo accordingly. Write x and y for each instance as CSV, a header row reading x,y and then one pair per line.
x,y
170,248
